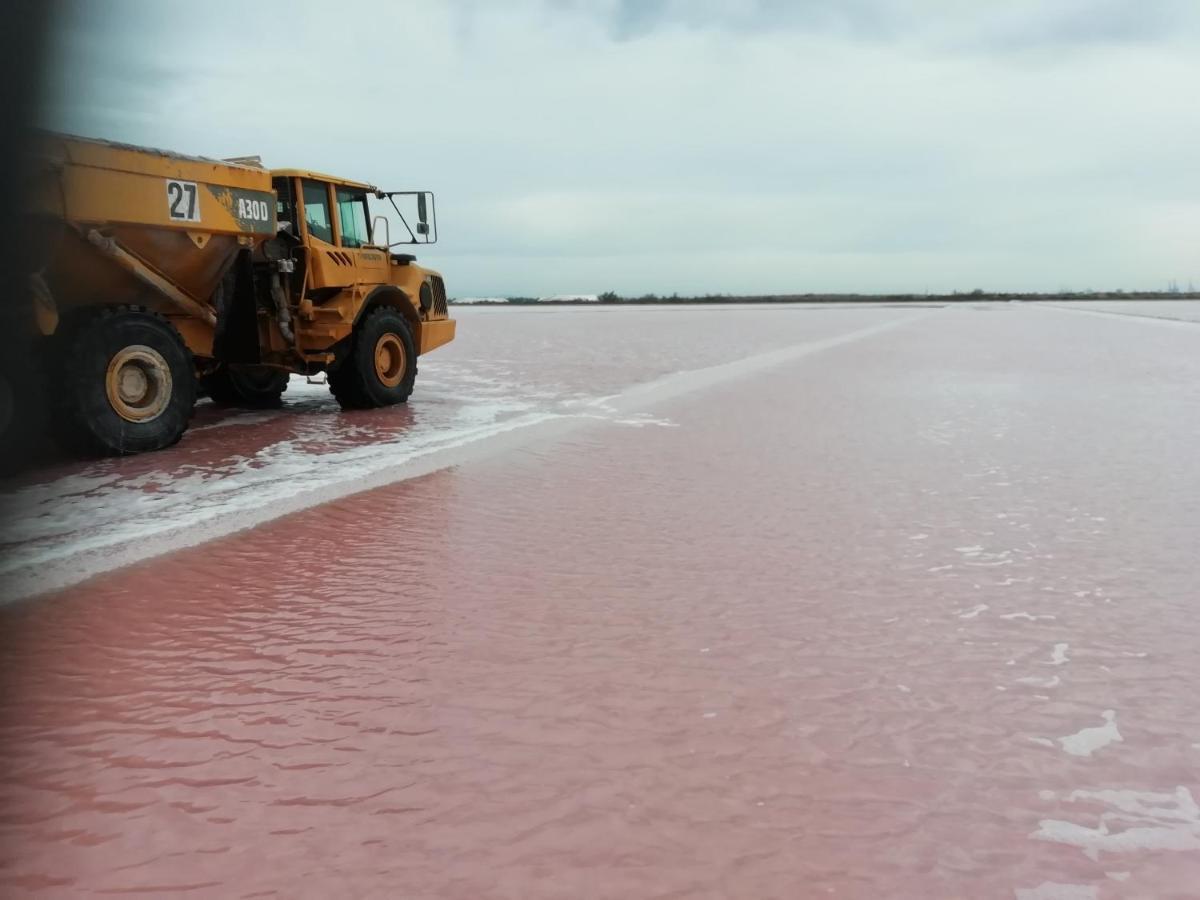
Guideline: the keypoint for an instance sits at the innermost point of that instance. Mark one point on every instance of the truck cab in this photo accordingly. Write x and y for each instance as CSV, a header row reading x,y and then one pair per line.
x,y
347,265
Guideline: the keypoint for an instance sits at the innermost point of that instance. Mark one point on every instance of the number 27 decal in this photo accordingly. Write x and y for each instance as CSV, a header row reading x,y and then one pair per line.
x,y
182,201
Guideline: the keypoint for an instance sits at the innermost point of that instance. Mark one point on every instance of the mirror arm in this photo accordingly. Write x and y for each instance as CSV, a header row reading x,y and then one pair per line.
x,y
392,200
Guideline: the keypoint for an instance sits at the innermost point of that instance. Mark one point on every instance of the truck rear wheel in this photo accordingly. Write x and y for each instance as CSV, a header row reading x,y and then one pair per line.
x,y
256,388
126,384
382,363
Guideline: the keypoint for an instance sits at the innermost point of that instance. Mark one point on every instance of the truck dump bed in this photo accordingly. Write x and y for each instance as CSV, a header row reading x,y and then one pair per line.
x,y
117,213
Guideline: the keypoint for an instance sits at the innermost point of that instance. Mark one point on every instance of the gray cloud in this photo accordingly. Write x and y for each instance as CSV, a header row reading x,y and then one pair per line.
x,y
1018,24
757,146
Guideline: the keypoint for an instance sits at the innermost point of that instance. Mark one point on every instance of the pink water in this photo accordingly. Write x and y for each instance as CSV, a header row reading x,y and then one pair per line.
x,y
907,613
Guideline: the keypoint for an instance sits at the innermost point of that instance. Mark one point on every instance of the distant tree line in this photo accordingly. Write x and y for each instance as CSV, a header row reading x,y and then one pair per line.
x,y
978,294
956,296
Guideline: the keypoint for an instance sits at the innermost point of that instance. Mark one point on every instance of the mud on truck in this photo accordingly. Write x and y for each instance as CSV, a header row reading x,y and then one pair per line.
x,y
158,277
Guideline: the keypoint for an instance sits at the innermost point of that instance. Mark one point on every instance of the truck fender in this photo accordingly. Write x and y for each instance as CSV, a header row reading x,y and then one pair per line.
x,y
390,295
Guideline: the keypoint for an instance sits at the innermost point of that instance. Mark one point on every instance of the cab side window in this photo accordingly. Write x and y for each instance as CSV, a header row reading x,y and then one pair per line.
x,y
285,204
352,214
316,211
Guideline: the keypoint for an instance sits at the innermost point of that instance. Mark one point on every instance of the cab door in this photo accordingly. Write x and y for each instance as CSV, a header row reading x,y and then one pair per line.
x,y
327,268
369,263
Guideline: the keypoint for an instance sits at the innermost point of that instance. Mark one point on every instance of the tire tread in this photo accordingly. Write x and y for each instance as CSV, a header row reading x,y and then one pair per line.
x,y
70,427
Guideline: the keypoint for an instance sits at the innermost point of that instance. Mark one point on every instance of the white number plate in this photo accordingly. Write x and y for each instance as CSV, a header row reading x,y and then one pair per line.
x,y
183,201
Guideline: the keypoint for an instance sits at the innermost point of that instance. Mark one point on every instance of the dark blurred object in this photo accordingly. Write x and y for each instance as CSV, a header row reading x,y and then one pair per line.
x,y
24,50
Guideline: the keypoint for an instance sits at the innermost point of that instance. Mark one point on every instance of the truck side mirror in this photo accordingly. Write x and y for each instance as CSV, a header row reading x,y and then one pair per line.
x,y
422,213
423,228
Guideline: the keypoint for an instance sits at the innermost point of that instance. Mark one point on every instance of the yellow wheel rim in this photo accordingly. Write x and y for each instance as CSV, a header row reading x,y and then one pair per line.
x,y
390,360
138,383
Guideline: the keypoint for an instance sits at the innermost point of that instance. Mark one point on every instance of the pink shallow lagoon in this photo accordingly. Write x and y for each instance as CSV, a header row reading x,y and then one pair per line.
x,y
754,602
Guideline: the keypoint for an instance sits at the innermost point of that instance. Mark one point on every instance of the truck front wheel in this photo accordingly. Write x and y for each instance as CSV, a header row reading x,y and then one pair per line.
x,y
126,383
381,366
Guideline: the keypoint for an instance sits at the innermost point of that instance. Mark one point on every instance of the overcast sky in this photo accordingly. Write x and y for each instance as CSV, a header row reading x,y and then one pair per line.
x,y
693,146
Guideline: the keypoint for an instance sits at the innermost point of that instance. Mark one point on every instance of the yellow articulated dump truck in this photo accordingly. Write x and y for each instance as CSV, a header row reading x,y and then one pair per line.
x,y
162,276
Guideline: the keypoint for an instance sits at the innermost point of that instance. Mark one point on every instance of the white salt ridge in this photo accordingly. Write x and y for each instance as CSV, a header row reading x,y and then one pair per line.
x,y
1089,740
239,418
1142,315
1040,682
637,421
1053,890
1060,654
62,543
1143,820
973,611
1024,615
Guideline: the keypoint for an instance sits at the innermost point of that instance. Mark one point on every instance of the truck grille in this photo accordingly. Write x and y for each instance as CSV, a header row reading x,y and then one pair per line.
x,y
439,297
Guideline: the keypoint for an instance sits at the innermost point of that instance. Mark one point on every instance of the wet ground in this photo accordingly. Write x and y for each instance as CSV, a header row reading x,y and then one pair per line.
x,y
787,602
509,371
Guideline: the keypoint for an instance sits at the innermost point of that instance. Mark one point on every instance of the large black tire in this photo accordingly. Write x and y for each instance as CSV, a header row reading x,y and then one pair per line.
x,y
381,366
125,383
254,388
